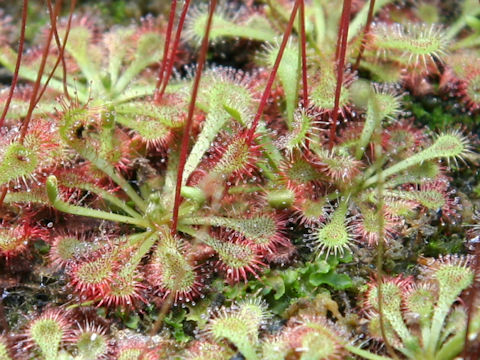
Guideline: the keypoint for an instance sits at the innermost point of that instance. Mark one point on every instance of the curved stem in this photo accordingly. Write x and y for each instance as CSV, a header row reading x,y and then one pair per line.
x,y
173,53
119,180
460,23
108,169
438,321
303,46
471,299
418,158
364,353
144,248
17,63
273,73
186,132
53,24
340,64
161,71
59,204
381,246
113,200
61,48
36,86
366,31
453,347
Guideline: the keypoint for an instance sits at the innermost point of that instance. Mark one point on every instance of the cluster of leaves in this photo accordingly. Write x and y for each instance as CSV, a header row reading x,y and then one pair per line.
x,y
97,136
411,307
418,314
66,335
284,288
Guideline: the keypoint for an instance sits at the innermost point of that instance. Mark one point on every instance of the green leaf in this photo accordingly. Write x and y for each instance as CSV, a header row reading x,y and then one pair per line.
x,y
287,73
234,113
290,276
322,267
278,285
223,26
333,261
335,280
317,277
79,46
132,321
175,320
197,313
226,99
346,258
260,229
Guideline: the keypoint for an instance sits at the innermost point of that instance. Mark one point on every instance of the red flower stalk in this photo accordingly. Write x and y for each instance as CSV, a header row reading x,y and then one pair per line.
x,y
273,73
161,71
340,63
366,30
186,131
21,43
61,48
173,53
303,45
36,87
15,78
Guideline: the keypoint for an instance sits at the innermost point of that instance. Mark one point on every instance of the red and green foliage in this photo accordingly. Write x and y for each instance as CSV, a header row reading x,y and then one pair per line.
x,y
146,185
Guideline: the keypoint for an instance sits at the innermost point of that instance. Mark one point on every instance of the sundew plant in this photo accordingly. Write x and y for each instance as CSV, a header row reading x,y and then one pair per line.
x,y
240,180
